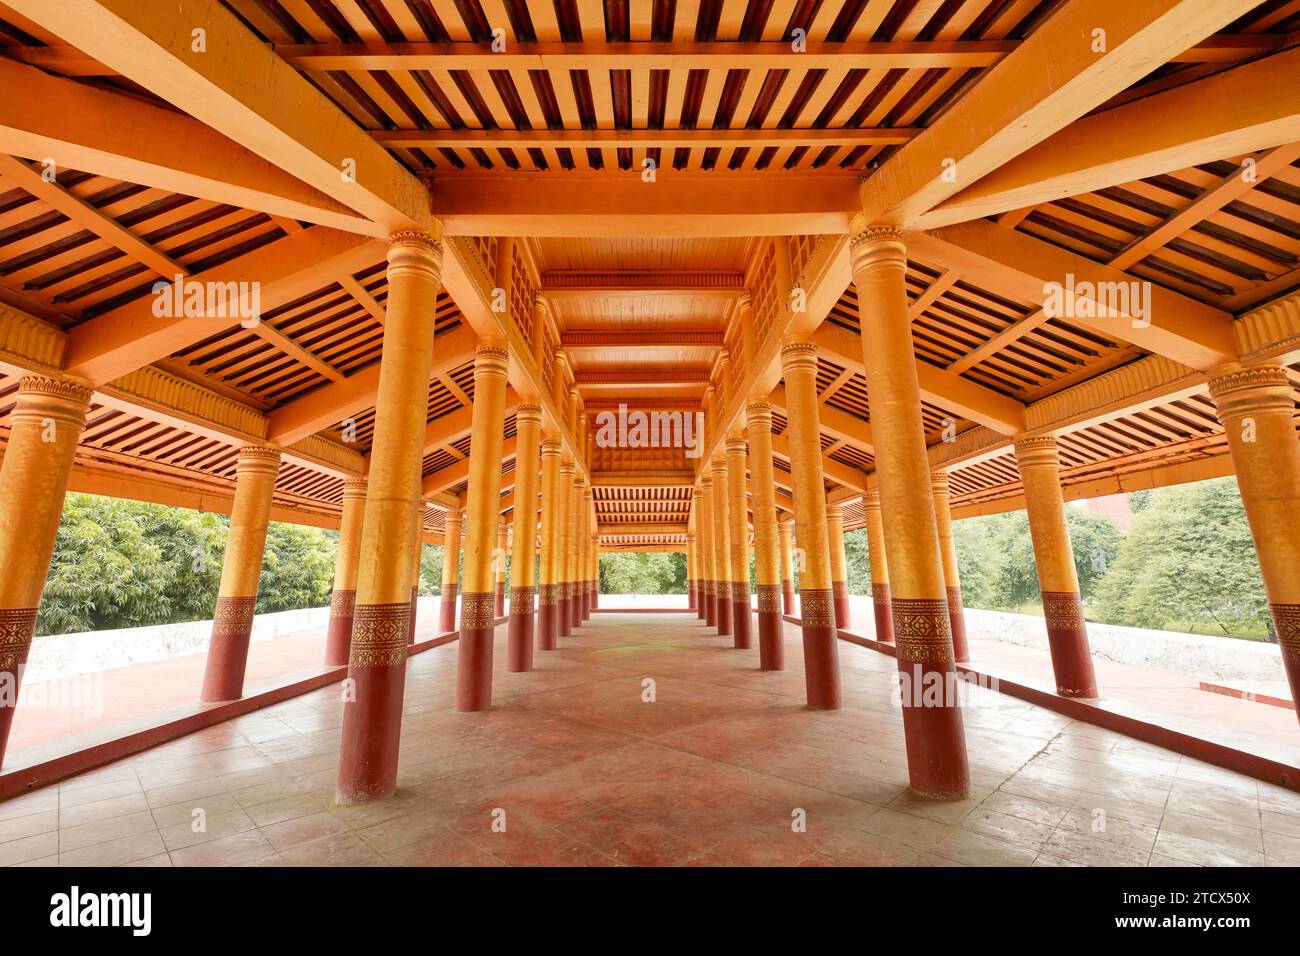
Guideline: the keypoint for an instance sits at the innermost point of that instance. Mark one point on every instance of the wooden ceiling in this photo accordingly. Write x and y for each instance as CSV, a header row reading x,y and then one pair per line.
x,y
643,165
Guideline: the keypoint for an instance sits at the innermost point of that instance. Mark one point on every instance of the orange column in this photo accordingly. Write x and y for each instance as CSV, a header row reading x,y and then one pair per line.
x,y
935,737
338,636
722,542
586,530
372,717
708,559
1257,410
523,560
816,612
548,609
241,569
500,563
482,519
738,534
417,546
786,537
595,564
948,553
44,428
563,568
1058,579
879,568
767,559
452,521
839,564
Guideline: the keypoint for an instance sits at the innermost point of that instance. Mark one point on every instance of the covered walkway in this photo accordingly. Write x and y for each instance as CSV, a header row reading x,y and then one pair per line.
x,y
721,768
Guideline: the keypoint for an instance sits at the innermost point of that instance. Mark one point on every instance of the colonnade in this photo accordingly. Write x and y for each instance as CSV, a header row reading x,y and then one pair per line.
x,y
554,546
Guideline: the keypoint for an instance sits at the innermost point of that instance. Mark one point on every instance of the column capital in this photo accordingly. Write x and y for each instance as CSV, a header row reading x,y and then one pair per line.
x,y
745,301
834,511
61,399
718,463
1039,451
877,245
758,414
696,493
258,459
452,516
354,488
798,353
736,445
871,499
706,482
939,481
1242,389
415,252
566,467
552,448
491,358
528,413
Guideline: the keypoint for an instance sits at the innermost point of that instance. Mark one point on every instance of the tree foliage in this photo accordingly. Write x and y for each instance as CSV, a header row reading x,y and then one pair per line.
x,y
625,572
120,563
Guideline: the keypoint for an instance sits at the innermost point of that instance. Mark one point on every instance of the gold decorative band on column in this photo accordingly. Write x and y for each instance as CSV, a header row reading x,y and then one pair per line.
x,y
448,591
1248,377
816,608
491,358
879,592
343,603
725,590
1286,621
873,234
17,628
921,629
428,240
233,617
739,592
548,595
477,611
769,598
522,600
954,598
1063,610
380,634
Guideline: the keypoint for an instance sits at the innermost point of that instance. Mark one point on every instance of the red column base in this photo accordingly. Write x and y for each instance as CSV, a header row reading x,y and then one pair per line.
x,y
447,609
1286,624
519,643
501,599
724,608
563,626
372,716
771,646
690,595
1067,638
932,726
711,605
548,621
232,627
474,654
338,636
787,589
741,617
884,615
840,598
821,655
19,625
415,596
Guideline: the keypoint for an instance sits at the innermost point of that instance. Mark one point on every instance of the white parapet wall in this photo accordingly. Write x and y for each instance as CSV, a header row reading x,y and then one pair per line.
x,y
57,656
1201,656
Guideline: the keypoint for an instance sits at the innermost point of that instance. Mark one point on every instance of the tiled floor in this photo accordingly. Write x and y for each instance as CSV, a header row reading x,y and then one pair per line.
x,y
575,766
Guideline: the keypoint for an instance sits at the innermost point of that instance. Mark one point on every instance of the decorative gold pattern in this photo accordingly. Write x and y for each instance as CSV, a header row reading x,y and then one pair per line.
x,y
769,598
880,593
233,617
954,599
922,631
739,592
1254,376
17,626
1286,619
55,388
547,595
448,591
422,238
343,603
380,634
876,234
477,611
1062,610
816,608
522,600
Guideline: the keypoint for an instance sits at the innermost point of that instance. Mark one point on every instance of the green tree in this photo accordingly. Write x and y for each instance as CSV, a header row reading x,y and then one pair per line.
x,y
1188,560
297,568
626,572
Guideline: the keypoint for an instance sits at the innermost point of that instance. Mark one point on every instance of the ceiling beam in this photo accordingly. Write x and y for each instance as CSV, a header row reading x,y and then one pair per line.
x,y
95,130
239,87
639,138
132,336
1247,108
840,425
1021,101
951,392
676,204
446,478
661,339
1021,267
332,403
612,377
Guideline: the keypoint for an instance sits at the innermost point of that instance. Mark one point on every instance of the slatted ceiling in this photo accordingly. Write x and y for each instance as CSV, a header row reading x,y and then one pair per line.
x,y
854,457
779,423
436,460
827,372
851,397
461,446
